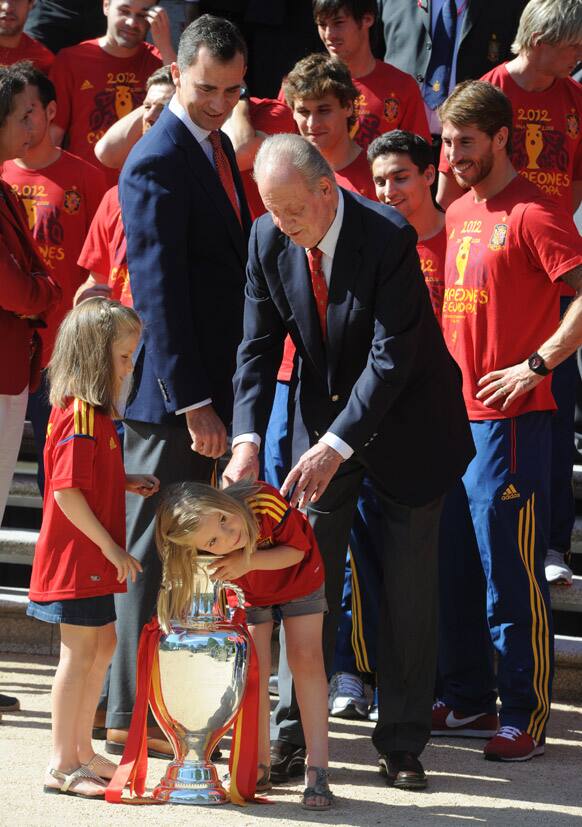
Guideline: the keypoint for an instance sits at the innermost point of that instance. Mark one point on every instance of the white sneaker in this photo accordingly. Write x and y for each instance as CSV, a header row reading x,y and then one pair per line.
x,y
557,571
348,697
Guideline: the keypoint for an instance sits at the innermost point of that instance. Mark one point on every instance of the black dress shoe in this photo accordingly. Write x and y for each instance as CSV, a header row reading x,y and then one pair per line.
x,y
9,704
287,760
402,770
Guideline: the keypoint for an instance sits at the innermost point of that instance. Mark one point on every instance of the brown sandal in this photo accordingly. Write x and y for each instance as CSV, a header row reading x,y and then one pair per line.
x,y
320,788
100,765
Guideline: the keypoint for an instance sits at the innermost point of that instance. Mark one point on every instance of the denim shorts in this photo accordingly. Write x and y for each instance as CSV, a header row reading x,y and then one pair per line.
x,y
311,604
85,611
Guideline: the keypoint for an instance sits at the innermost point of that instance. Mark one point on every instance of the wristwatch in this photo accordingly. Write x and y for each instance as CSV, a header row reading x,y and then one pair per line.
x,y
537,364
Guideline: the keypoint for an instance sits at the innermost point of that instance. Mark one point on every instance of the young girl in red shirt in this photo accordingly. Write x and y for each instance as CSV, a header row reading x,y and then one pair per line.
x,y
80,558
270,551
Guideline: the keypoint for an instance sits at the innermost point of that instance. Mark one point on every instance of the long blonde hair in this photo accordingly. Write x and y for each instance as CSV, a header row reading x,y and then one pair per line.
x,y
81,365
178,516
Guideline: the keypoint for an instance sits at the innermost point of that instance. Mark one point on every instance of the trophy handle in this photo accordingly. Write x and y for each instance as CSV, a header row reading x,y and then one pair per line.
x,y
240,595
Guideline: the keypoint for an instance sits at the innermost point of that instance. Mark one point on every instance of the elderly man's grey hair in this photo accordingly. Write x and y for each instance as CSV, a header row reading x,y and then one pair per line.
x,y
278,150
548,21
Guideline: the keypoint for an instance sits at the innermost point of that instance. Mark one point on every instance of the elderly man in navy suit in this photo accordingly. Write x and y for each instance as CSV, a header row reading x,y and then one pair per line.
x,y
341,275
187,224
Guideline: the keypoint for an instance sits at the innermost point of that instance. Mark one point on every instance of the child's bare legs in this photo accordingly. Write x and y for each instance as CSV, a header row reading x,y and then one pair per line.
x,y
78,650
106,640
261,634
305,658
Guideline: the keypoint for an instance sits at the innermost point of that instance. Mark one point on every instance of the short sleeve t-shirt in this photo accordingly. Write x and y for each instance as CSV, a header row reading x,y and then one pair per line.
x,y
60,201
432,253
28,49
271,117
105,250
82,451
281,525
547,136
389,99
95,89
500,305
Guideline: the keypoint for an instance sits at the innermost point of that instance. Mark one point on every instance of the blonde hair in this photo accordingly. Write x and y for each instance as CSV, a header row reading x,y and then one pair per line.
x,y
548,21
81,365
183,507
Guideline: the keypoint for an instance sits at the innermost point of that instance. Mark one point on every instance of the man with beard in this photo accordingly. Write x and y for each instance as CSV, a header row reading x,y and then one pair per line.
x,y
99,81
14,44
507,247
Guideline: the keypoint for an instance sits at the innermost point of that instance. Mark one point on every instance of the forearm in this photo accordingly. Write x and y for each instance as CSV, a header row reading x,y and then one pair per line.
x,y
245,139
114,147
76,509
279,557
566,339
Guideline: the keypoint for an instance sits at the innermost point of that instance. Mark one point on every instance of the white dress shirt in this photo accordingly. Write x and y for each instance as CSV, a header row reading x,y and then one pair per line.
x,y
327,246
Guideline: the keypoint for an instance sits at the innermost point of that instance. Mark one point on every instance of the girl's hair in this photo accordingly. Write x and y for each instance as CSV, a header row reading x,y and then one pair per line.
x,y
81,365
178,516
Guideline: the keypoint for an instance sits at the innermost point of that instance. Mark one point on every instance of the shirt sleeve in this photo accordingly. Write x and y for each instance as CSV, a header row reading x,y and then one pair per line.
x,y
94,255
551,237
74,453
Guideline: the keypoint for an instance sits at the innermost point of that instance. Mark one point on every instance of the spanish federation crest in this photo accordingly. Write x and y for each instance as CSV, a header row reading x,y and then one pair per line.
x,y
72,201
498,237
572,124
391,109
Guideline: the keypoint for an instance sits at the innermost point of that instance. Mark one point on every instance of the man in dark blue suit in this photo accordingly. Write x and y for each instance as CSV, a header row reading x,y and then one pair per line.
x,y
372,367
187,224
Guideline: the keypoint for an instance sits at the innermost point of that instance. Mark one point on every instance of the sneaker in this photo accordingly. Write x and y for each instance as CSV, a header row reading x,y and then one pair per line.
x,y
348,697
512,744
373,713
557,571
274,685
447,721
9,704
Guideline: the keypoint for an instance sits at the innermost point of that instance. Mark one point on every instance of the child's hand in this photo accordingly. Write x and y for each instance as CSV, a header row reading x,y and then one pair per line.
x,y
143,484
126,565
229,567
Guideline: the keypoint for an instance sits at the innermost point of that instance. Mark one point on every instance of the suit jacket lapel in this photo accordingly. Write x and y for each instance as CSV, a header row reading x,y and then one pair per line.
x,y
206,174
296,281
346,263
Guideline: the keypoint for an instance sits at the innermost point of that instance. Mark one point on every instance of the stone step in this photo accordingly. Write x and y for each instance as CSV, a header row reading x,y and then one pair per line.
x,y
17,545
24,492
567,598
577,481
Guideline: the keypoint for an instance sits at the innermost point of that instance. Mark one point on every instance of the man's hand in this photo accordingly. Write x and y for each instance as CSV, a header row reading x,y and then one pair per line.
x,y
243,464
311,475
230,567
161,33
143,484
207,431
501,388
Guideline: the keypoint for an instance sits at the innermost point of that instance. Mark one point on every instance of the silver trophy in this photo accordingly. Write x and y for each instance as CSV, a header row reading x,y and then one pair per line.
x,y
203,663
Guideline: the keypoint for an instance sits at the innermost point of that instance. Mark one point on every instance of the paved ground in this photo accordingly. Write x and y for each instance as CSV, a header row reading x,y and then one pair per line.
x,y
463,787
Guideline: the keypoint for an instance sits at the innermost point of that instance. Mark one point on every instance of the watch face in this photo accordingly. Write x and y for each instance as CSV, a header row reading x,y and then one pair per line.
x,y
536,362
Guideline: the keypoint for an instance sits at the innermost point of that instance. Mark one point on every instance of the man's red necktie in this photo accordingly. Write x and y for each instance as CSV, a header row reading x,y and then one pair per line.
x,y
319,286
224,170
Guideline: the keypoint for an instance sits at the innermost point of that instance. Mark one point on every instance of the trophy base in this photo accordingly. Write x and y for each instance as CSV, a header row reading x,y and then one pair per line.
x,y
191,782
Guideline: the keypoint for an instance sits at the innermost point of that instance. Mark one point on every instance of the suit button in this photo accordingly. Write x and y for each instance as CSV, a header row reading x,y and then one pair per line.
x,y
420,78
428,46
316,433
334,397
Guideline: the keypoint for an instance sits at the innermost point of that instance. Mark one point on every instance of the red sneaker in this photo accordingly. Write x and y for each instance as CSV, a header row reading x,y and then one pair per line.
x,y
512,744
446,721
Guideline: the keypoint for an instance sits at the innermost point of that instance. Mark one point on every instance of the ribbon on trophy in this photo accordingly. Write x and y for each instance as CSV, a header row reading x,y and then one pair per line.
x,y
132,769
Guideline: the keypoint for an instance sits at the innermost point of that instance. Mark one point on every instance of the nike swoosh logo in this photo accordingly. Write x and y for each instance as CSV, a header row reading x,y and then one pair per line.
x,y
453,722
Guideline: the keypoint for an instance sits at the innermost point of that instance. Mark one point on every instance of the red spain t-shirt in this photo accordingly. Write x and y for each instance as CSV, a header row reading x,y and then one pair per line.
x,y
432,253
60,202
271,117
105,250
82,451
389,99
28,49
95,89
281,525
500,305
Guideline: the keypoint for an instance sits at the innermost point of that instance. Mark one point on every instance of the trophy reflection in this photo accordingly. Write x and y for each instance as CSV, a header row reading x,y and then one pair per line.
x,y
203,664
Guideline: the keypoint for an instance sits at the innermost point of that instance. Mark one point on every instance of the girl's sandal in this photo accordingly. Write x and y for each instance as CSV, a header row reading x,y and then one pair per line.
x,y
319,789
69,780
101,766
264,782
